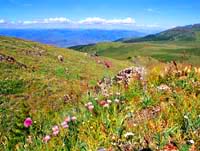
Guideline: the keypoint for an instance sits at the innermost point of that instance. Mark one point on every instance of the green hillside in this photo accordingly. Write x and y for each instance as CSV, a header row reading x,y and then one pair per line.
x,y
54,99
185,33
33,82
187,52
180,44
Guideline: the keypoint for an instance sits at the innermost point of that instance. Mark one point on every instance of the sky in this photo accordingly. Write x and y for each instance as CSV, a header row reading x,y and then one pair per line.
x,y
103,14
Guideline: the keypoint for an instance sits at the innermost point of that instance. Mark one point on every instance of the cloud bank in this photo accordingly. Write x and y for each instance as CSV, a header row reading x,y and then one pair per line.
x,y
87,21
90,22
97,20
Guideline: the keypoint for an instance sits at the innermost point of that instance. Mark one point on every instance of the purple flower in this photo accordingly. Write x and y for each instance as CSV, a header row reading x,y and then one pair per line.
x,y
28,122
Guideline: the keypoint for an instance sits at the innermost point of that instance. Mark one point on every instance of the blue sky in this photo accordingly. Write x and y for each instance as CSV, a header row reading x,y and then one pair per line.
x,y
105,14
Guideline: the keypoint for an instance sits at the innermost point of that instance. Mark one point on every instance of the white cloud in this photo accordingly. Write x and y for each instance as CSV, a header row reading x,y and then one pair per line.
x,y
87,21
57,20
48,21
29,22
97,20
2,21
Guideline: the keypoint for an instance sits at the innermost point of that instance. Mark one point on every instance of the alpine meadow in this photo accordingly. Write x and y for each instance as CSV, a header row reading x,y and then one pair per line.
x,y
99,75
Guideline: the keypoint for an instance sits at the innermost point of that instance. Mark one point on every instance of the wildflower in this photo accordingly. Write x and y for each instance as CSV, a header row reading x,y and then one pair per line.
x,y
90,107
106,105
109,101
95,99
46,138
116,100
55,130
102,103
89,103
73,118
55,133
64,124
128,134
186,117
118,93
67,119
190,141
28,122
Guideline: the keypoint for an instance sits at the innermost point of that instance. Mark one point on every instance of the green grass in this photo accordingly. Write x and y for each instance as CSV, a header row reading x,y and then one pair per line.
x,y
38,92
163,51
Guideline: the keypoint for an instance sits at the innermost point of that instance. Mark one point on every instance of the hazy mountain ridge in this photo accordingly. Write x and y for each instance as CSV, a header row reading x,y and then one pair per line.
x,y
69,37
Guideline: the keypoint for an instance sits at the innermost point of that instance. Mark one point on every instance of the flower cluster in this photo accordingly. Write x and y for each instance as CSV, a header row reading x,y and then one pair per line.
x,y
56,128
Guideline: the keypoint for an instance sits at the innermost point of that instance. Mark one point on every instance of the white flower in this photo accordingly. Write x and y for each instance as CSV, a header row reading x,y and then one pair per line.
x,y
109,101
186,117
118,93
191,141
116,100
128,134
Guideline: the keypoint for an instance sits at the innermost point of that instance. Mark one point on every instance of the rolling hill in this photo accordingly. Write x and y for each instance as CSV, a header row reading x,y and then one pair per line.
x,y
185,33
180,44
69,37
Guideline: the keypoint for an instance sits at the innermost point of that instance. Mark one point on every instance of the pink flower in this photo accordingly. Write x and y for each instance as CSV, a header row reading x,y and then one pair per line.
x,y
46,138
55,128
90,108
55,133
64,124
102,103
28,122
73,118
67,119
106,105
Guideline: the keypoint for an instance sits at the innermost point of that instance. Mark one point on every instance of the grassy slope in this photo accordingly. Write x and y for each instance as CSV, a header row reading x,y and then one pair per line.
x,y
187,52
155,117
38,90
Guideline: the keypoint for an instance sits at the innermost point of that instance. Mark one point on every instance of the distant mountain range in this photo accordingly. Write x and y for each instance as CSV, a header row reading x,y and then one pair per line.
x,y
185,33
69,37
